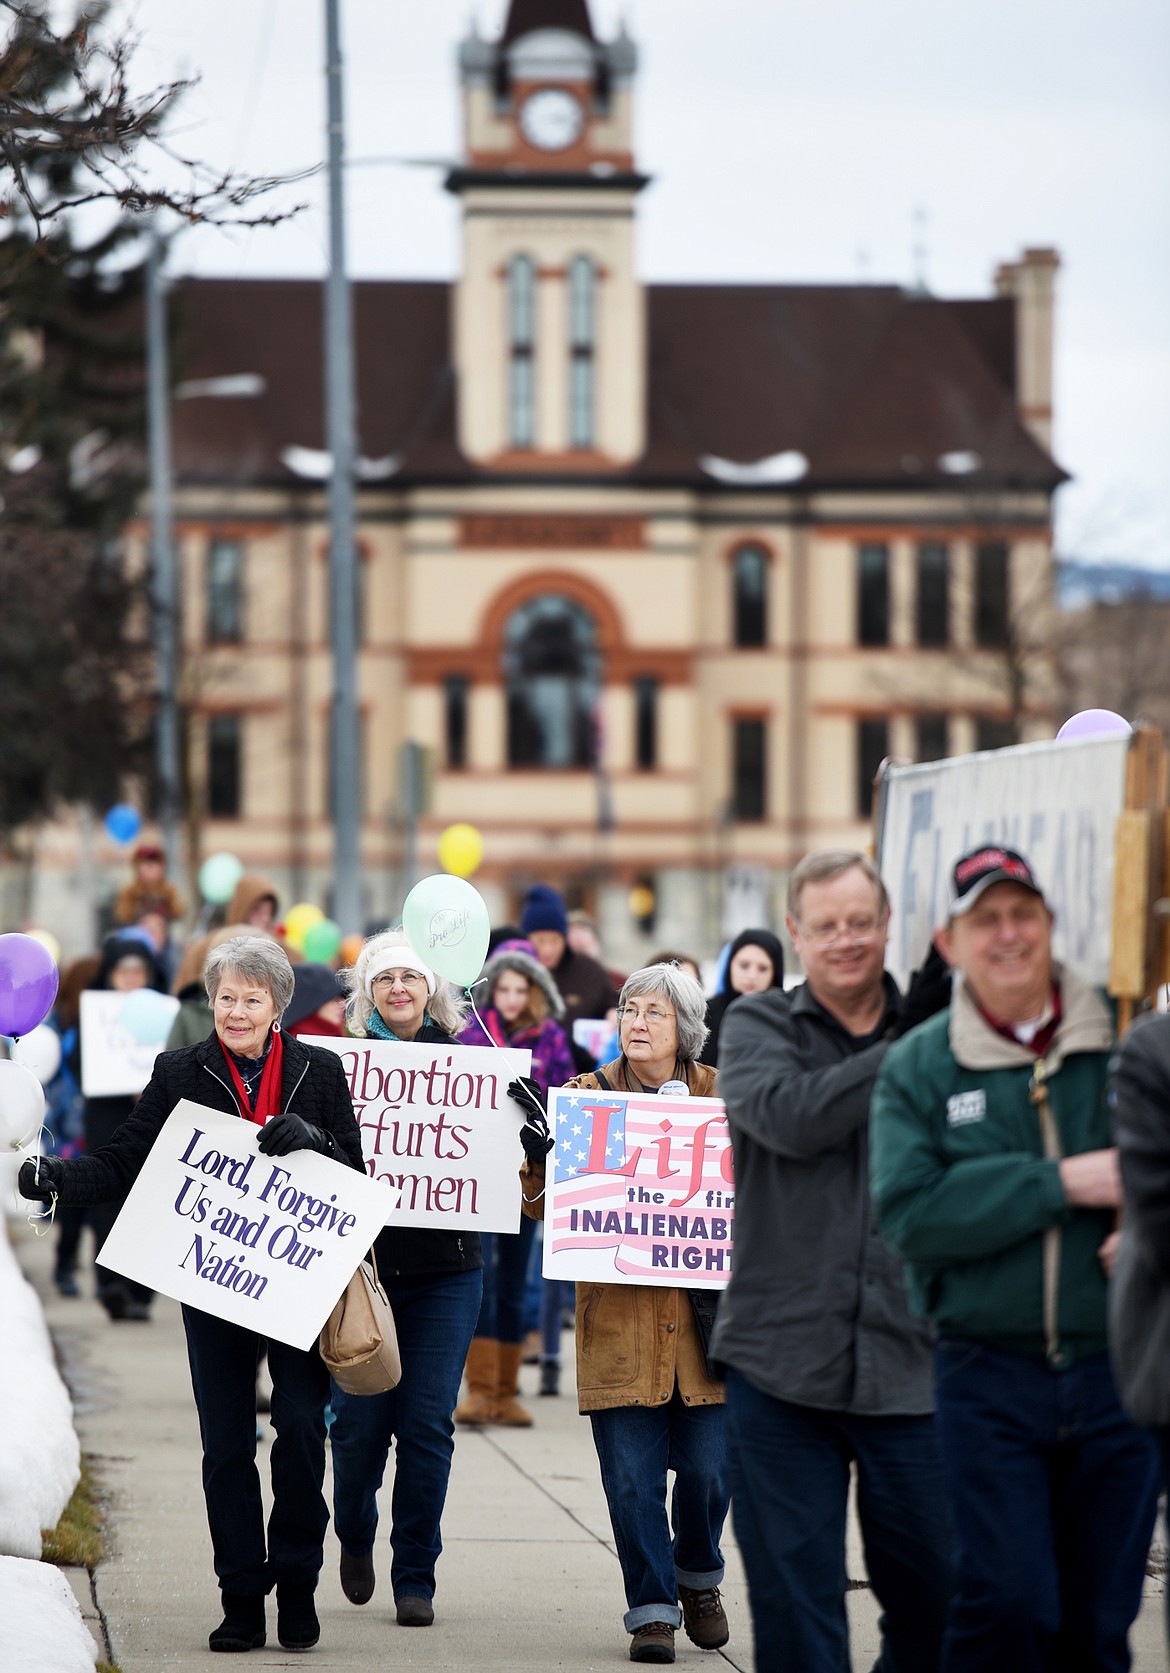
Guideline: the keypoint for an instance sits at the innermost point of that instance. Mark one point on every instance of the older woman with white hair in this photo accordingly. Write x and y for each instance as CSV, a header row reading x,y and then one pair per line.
x,y
434,1279
642,1370
299,1097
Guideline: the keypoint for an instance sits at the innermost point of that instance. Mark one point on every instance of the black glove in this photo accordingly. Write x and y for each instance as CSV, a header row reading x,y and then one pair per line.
x,y
534,1135
286,1133
929,992
50,1178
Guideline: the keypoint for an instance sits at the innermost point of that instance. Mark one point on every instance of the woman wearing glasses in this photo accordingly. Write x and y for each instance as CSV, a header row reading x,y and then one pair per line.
x,y
642,1370
434,1279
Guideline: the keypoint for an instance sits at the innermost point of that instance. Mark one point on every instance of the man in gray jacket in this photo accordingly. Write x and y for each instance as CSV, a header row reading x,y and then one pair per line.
x,y
826,1368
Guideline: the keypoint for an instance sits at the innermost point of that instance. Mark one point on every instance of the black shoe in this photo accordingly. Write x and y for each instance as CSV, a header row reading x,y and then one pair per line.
x,y
242,1627
357,1576
114,1299
66,1284
550,1377
138,1311
297,1625
414,1612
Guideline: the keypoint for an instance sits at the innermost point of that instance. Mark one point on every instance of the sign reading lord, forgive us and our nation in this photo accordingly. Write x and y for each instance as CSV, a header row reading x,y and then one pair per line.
x,y
267,1242
439,1129
638,1189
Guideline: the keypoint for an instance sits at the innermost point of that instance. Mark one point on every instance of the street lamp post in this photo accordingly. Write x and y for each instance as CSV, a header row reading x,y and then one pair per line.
x,y
162,551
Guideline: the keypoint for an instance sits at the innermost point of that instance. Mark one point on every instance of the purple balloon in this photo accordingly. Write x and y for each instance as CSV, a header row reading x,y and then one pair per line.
x,y
1095,723
28,984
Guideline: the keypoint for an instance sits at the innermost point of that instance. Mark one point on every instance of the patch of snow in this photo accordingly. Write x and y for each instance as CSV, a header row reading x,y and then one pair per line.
x,y
24,459
41,1629
315,464
961,462
776,468
40,1460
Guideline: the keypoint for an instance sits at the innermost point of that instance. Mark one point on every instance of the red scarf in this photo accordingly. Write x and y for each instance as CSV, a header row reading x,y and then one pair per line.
x,y
1042,1038
268,1096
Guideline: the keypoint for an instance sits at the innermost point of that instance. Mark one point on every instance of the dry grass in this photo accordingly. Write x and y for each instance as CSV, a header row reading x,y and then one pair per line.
x,y
78,1539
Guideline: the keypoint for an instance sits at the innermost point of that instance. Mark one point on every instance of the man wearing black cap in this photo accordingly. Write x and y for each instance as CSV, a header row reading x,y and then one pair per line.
x,y
995,1178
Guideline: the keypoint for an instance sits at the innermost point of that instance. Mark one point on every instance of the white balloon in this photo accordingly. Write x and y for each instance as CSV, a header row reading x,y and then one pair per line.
x,y
39,1051
22,1103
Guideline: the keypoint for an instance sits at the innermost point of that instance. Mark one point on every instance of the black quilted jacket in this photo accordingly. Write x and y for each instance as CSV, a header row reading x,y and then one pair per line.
x,y
313,1086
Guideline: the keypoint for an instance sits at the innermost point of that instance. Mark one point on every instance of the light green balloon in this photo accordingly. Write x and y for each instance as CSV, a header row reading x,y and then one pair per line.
x,y
218,876
321,941
448,926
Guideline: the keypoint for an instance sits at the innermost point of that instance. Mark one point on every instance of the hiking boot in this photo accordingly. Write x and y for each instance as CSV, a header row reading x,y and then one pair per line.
x,y
703,1617
242,1627
653,1642
414,1612
357,1576
297,1625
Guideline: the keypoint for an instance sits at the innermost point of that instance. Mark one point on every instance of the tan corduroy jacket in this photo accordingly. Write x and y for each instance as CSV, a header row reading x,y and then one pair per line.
x,y
634,1341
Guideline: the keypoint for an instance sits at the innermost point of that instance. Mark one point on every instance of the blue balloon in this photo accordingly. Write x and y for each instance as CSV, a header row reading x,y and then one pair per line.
x,y
147,1016
123,822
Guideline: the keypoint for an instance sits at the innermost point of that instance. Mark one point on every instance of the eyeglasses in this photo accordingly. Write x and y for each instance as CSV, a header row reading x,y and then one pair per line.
x,y
407,978
652,1015
859,930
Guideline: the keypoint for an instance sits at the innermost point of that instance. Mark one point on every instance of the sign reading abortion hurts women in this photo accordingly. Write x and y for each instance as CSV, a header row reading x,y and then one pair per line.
x,y
268,1242
639,1190
439,1129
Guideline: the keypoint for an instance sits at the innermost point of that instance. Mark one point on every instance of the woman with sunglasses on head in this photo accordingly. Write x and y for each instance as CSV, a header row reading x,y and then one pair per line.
x,y
434,1279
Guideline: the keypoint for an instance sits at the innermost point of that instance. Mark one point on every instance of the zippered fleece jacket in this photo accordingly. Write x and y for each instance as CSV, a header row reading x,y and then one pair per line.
x,y
964,1162
312,1085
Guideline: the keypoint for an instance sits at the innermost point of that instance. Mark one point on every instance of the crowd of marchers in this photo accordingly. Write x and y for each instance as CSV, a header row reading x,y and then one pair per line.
x,y
935,1292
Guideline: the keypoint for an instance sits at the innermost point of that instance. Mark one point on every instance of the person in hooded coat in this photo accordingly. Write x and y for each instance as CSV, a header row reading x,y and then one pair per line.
x,y
755,962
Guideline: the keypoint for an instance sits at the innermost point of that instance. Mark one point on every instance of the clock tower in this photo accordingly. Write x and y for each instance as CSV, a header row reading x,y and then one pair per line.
x,y
549,327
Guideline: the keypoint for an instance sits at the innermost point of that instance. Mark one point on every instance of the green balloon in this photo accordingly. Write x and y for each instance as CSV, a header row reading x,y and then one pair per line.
x,y
322,941
218,876
448,926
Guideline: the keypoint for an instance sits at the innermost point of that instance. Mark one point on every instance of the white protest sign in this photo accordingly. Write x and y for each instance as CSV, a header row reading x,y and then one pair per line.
x,y
439,1129
1055,803
268,1242
638,1189
121,1035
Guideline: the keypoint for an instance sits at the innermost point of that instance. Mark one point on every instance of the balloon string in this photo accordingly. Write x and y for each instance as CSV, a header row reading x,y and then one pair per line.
x,y
39,1217
471,1001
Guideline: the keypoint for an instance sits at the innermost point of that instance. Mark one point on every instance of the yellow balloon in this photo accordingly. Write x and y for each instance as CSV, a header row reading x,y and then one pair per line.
x,y
460,850
48,941
298,921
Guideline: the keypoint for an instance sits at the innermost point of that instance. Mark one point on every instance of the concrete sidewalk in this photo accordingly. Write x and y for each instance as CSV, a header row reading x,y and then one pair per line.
x,y
528,1576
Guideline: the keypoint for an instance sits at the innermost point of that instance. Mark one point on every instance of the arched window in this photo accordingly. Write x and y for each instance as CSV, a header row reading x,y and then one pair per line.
x,y
552,667
522,351
749,581
582,332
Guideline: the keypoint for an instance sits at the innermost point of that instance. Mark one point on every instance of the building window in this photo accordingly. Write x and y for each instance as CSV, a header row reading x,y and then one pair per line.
x,y
749,580
934,594
992,732
991,594
749,787
522,344
873,746
582,309
225,592
553,671
224,761
455,718
873,595
646,722
932,737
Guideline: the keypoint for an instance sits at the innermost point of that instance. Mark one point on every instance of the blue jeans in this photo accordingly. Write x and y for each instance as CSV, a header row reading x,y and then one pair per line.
x,y
636,1445
506,1258
556,1294
1054,1493
435,1316
223,1359
790,1484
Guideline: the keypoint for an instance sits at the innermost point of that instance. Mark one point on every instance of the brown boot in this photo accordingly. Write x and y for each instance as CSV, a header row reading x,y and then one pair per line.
x,y
482,1373
509,1412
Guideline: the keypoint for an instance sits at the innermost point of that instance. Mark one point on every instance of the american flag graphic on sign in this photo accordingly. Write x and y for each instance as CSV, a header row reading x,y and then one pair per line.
x,y
639,1189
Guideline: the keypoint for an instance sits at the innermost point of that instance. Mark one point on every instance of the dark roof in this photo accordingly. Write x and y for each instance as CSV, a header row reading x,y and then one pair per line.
x,y
873,385
526,15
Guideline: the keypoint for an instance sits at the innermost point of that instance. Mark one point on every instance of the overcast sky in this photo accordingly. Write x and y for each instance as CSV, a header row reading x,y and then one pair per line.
x,y
788,140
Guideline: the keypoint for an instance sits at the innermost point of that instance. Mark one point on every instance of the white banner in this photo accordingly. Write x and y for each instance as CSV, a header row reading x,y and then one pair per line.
x,y
638,1189
1055,803
268,1242
121,1035
439,1129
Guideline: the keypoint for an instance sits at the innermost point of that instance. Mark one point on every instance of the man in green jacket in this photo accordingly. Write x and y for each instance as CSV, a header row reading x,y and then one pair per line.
x,y
995,1179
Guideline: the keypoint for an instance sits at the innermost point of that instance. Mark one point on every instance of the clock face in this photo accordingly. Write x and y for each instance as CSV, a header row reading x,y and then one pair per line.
x,y
551,119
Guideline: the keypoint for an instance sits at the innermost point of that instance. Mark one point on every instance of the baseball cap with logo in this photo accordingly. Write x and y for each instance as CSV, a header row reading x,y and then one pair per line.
x,y
979,868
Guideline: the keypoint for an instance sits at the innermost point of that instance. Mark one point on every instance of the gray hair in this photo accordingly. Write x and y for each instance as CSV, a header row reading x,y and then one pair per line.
x,y
683,992
445,1008
823,864
256,959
